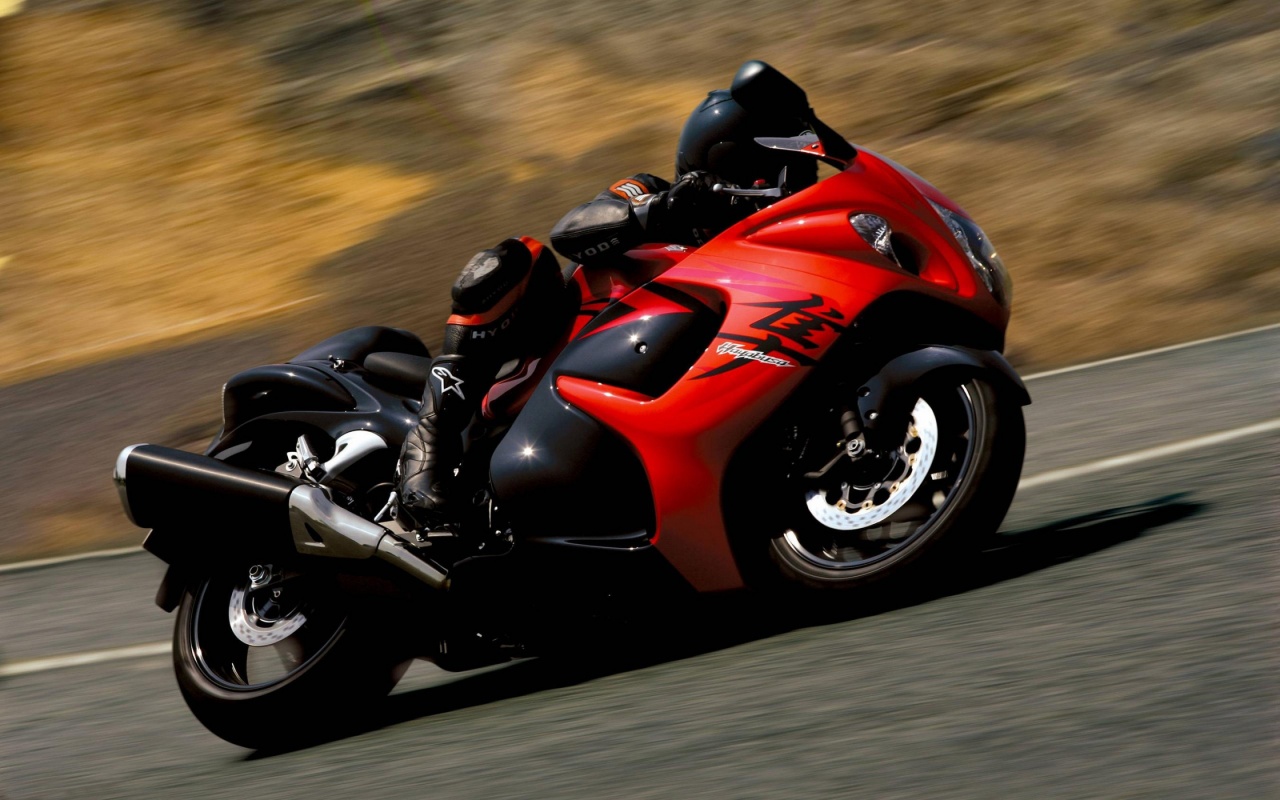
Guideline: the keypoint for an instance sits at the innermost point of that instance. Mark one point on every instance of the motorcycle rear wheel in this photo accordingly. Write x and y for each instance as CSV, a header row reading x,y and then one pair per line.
x,y
307,664
961,493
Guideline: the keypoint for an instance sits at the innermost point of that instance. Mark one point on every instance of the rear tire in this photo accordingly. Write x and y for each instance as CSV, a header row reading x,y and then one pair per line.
x,y
331,660
980,442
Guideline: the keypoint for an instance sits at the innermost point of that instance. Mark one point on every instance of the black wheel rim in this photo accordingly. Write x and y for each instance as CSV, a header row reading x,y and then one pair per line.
x,y
288,647
861,548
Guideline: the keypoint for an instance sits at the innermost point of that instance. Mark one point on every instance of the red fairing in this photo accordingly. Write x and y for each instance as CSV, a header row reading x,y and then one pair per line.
x,y
600,287
597,289
791,278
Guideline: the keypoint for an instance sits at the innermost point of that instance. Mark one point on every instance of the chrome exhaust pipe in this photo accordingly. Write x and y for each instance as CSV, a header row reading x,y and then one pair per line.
x,y
183,497
324,529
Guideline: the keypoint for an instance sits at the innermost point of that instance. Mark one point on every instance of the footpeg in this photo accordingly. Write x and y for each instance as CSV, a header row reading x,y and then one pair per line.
x,y
418,539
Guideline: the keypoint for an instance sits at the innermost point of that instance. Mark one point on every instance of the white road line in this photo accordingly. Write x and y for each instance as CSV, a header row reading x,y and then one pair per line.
x,y
1150,454
81,659
1053,476
45,562
49,562
1142,353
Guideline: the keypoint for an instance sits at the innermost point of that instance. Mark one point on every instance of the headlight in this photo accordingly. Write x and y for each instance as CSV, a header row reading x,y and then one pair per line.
x,y
982,254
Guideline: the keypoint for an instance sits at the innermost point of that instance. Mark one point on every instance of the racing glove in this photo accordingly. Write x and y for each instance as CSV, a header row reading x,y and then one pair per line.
x,y
694,210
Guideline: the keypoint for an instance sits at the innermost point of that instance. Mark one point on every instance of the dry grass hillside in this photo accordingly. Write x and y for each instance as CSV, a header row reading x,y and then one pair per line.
x,y
180,177
184,166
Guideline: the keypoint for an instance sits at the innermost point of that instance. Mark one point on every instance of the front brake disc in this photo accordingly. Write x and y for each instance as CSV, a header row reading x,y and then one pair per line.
x,y
845,516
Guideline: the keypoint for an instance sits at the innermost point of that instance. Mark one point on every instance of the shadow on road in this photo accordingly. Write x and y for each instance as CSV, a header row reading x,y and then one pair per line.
x,y
725,622
1014,553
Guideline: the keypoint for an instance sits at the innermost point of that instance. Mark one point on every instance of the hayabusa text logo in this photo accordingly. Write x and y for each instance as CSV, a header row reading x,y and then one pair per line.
x,y
782,336
448,382
738,351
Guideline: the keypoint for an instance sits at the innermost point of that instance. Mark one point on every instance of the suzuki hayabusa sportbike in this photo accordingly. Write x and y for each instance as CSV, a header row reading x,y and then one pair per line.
x,y
814,400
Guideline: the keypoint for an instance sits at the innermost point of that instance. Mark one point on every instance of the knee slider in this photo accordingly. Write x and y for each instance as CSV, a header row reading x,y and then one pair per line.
x,y
490,276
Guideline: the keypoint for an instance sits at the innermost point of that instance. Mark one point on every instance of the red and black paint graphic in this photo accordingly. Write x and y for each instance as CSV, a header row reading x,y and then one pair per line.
x,y
594,295
644,343
600,289
789,330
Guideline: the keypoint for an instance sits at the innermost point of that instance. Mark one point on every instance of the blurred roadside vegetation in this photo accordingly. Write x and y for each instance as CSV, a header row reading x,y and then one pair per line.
x,y
180,165
175,172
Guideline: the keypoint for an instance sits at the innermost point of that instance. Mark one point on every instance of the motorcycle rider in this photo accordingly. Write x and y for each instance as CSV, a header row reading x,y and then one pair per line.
x,y
505,299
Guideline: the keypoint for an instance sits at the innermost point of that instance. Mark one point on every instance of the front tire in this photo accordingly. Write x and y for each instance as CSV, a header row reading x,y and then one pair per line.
x,y
270,665
967,443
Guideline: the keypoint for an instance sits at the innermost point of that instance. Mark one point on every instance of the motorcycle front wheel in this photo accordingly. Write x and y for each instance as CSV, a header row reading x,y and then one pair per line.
x,y
876,517
266,657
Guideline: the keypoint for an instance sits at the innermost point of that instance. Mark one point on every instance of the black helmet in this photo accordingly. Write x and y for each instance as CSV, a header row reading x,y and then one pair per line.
x,y
719,137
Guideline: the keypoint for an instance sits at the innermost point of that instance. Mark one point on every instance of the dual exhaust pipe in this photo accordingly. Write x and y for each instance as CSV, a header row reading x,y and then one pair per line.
x,y
194,503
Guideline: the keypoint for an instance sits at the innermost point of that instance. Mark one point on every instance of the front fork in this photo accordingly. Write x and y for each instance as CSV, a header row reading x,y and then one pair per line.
x,y
885,401
873,426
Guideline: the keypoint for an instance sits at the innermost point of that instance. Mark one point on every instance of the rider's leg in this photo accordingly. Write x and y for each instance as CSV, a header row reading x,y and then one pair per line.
x,y
496,289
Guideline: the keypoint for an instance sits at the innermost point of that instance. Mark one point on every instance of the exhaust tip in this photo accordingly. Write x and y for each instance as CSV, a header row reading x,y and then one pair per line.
x,y
118,475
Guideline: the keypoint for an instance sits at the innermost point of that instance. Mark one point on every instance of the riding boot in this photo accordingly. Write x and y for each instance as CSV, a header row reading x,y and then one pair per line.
x,y
432,451
500,305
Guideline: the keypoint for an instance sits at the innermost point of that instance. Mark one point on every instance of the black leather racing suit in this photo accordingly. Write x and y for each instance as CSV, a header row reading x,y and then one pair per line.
x,y
642,208
504,307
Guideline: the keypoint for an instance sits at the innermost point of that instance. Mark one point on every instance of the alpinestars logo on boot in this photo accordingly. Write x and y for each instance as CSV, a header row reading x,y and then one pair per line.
x,y
448,382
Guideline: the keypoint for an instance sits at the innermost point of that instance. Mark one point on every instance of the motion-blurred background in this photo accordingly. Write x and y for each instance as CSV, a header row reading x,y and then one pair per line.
x,y
192,187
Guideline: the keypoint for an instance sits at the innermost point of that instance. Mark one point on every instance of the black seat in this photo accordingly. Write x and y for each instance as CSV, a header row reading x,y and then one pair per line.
x,y
402,373
357,343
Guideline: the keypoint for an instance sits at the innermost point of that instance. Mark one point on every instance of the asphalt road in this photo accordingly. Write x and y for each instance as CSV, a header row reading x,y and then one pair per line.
x,y
1119,643
59,430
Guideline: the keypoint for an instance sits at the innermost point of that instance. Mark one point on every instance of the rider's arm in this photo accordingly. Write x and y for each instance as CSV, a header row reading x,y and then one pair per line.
x,y
645,208
628,213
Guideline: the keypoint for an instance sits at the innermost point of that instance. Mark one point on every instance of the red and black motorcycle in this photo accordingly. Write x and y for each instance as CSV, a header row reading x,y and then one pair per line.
x,y
816,398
